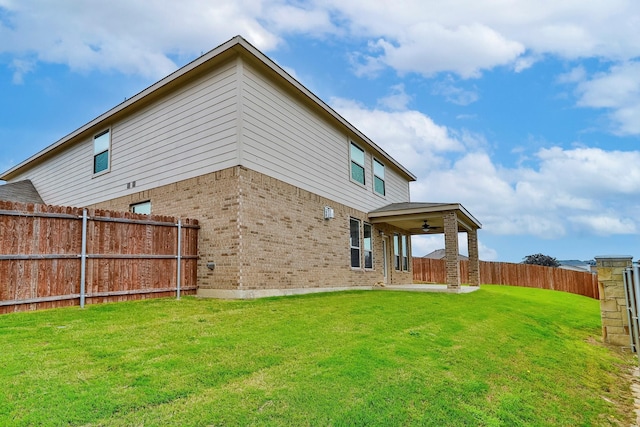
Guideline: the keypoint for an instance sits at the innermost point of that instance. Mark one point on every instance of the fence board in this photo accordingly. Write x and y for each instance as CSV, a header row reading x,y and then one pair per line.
x,y
427,270
131,256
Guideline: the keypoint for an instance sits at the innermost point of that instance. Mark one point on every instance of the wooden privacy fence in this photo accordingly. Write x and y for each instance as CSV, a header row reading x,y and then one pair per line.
x,y
53,256
503,273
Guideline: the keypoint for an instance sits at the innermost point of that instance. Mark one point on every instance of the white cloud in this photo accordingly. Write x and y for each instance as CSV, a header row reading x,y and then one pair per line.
x,y
606,224
429,48
466,36
575,75
423,245
422,36
409,136
288,18
398,100
129,37
524,62
20,68
617,90
426,37
563,191
455,94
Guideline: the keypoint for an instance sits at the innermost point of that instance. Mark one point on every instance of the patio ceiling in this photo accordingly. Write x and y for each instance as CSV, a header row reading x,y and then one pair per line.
x,y
411,217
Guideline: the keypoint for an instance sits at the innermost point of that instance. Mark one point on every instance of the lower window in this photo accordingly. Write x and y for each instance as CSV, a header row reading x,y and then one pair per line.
x,y
368,246
396,251
141,208
354,231
405,251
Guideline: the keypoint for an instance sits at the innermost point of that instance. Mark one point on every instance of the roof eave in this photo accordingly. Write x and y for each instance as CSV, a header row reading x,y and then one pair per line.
x,y
421,210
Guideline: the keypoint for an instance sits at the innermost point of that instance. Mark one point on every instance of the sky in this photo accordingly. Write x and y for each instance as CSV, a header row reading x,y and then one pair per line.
x,y
527,112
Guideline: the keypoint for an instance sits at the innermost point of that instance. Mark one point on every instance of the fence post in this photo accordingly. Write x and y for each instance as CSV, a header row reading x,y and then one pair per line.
x,y
83,259
613,306
179,258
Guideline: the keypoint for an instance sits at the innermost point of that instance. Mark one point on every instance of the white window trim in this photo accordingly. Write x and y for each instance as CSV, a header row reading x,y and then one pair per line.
x,y
93,157
364,167
384,180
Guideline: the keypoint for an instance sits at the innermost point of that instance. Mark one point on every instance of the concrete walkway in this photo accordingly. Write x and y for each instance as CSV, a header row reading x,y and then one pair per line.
x,y
428,288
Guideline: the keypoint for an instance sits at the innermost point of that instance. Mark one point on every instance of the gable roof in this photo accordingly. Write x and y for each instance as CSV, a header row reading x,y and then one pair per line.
x,y
441,254
230,49
21,191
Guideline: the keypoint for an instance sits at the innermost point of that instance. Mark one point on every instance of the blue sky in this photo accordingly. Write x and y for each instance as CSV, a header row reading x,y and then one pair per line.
x,y
526,112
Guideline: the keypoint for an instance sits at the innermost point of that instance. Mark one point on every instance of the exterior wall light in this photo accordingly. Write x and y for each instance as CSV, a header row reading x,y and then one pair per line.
x,y
328,212
211,265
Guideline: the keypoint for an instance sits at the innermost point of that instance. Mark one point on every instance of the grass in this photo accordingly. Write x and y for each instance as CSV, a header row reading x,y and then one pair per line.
x,y
499,356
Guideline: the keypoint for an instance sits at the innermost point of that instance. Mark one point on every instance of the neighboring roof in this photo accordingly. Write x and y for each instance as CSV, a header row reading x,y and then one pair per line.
x,y
440,254
575,262
227,50
411,215
585,269
21,191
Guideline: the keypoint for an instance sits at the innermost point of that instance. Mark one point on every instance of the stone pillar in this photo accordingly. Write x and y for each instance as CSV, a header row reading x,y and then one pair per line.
x,y
613,306
474,260
452,267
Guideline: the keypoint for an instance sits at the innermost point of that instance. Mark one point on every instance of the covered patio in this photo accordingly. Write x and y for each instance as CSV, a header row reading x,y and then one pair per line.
x,y
437,218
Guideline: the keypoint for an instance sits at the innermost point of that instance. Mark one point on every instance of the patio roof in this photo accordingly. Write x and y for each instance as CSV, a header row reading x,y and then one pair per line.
x,y
411,217
438,218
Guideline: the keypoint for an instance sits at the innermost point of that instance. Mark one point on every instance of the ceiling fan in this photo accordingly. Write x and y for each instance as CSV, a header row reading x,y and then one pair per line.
x,y
426,228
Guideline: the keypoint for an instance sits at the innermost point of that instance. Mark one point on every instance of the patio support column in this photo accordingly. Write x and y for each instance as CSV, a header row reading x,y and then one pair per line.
x,y
452,267
474,260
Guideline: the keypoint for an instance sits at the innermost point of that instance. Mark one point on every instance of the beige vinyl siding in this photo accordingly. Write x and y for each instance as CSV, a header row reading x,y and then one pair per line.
x,y
285,139
191,132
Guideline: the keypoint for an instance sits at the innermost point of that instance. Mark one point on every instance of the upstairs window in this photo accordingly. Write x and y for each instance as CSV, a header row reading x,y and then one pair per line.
x,y
367,246
357,164
378,177
101,147
355,242
141,208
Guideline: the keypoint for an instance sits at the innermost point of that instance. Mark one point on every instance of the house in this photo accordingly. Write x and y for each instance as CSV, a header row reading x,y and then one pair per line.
x,y
290,197
441,254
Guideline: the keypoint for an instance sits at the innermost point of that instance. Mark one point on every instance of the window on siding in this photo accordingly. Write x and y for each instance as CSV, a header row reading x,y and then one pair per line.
x,y
355,242
405,257
101,146
378,177
141,208
357,164
367,245
396,251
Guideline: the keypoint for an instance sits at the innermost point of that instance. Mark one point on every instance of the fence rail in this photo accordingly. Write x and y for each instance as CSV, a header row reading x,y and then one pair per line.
x,y
52,256
503,273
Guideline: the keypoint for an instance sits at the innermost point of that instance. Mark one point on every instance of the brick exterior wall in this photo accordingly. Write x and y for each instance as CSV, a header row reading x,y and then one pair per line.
x,y
262,233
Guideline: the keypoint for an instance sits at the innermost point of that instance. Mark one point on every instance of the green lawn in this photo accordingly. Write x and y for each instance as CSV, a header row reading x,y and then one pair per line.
x,y
500,356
